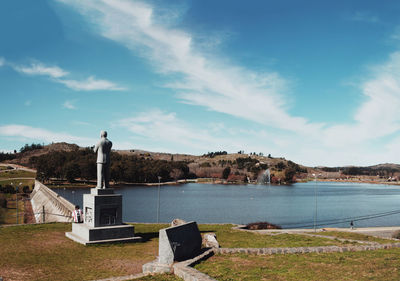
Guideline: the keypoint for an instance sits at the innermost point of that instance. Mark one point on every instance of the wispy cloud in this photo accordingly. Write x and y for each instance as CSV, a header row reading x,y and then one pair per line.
x,y
156,124
69,105
2,61
61,76
378,115
42,135
211,82
206,80
41,69
396,34
364,16
91,84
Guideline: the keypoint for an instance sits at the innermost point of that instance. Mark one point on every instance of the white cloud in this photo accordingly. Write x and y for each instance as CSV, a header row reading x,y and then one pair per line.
x,y
257,97
69,105
42,135
378,115
206,81
364,16
91,84
41,69
158,125
59,75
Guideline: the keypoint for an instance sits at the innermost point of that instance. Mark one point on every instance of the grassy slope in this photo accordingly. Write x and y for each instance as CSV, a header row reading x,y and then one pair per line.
x,y
373,265
8,215
42,252
357,236
229,238
17,174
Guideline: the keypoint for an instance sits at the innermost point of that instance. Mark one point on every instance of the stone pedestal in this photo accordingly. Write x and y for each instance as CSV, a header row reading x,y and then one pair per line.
x,y
102,211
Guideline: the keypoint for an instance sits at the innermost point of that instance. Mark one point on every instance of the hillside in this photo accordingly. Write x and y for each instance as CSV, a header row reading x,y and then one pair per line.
x,y
233,167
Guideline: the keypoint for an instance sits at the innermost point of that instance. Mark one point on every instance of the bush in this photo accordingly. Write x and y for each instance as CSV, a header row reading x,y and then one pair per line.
x,y
226,172
3,202
262,225
396,235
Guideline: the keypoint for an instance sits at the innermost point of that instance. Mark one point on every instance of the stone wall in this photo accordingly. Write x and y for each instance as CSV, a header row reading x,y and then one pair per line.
x,y
57,208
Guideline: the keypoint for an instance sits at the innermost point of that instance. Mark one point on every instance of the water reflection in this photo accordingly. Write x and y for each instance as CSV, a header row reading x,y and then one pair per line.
x,y
289,206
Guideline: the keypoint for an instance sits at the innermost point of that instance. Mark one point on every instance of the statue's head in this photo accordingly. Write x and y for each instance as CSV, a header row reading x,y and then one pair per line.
x,y
103,134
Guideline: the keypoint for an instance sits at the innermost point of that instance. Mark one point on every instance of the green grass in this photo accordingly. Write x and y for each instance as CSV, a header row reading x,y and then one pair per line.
x,y
17,174
369,265
15,182
357,236
5,168
70,185
42,252
9,214
229,238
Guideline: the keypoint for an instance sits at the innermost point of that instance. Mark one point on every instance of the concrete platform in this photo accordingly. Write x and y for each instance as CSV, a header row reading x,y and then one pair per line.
x,y
85,234
75,238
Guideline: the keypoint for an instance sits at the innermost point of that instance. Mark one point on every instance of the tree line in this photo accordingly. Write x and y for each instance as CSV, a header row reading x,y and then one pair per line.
x,y
80,164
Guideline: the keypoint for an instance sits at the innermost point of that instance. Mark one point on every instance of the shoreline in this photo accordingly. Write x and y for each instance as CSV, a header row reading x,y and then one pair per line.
x,y
213,181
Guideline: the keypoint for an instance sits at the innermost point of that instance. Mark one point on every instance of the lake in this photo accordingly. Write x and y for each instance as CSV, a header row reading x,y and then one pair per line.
x,y
290,206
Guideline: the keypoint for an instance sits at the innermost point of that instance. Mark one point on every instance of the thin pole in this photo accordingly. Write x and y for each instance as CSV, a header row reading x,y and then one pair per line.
x,y
16,198
158,205
316,204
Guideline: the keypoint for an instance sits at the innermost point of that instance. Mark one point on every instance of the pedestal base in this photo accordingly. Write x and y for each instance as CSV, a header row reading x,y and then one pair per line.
x,y
85,234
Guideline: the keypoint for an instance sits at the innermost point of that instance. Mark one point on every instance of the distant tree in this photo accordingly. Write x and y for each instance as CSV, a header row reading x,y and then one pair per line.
x,y
33,146
289,174
226,172
72,172
280,166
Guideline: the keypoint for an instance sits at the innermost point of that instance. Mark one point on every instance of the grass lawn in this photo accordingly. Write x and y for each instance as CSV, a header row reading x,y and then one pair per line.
x,y
9,214
357,236
17,174
229,238
42,252
369,265
5,168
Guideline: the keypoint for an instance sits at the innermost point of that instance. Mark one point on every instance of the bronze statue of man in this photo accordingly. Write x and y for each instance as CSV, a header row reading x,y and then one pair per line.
x,y
103,149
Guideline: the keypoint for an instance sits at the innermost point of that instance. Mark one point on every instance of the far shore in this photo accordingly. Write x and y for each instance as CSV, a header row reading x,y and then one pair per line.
x,y
208,181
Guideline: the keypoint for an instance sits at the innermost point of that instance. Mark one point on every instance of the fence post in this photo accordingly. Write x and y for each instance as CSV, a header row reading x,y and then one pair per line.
x,y
43,215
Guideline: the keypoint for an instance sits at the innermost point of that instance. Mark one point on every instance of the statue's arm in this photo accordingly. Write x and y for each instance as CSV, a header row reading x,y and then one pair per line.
x,y
96,147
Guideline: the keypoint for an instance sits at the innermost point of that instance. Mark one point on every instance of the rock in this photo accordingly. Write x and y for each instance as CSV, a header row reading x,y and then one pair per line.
x,y
177,222
210,240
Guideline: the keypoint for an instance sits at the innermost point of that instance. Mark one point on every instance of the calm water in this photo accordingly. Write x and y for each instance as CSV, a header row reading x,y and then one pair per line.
x,y
288,206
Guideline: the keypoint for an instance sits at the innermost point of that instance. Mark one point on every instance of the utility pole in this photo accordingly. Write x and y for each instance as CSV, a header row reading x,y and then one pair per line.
x,y
158,205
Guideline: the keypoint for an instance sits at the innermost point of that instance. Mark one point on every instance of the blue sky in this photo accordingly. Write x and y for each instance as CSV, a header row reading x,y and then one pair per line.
x,y
316,82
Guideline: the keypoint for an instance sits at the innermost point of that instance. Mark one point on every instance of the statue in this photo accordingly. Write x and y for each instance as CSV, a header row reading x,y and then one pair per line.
x,y
103,149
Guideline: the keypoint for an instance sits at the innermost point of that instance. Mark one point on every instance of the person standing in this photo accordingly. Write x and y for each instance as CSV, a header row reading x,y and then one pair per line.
x,y
77,215
103,149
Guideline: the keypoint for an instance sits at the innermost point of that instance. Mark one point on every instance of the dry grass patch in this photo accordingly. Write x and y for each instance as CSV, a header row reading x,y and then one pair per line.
x,y
369,265
232,238
357,236
42,252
